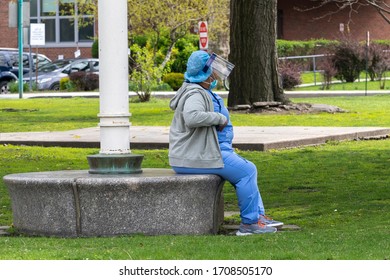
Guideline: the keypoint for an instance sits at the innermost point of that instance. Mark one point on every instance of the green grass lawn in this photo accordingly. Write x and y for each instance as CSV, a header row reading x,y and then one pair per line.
x,y
346,86
337,193
55,114
308,78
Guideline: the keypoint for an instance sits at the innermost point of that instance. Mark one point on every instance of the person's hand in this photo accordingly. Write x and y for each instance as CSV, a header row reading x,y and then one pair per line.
x,y
222,126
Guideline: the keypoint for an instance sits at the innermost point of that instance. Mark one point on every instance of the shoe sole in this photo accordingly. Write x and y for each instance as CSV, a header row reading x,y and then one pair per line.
x,y
239,233
277,225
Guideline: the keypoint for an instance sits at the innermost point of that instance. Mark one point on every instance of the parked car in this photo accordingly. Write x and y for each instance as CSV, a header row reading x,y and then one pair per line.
x,y
10,58
9,65
49,75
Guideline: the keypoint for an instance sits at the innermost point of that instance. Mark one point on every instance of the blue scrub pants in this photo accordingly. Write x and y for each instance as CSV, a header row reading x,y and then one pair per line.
x,y
242,174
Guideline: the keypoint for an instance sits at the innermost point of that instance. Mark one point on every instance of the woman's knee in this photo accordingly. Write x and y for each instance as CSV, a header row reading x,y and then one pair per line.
x,y
251,169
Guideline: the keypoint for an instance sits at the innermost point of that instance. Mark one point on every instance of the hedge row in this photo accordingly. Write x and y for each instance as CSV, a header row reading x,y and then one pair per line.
x,y
310,47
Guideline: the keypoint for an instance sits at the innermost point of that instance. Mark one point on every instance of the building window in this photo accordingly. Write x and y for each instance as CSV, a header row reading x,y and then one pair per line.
x,y
50,31
63,24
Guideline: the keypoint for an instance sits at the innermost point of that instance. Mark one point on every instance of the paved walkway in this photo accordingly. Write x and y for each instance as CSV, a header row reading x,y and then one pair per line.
x,y
251,138
246,138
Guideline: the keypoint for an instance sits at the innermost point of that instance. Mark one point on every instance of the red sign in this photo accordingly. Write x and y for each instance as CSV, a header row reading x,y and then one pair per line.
x,y
202,27
203,38
203,43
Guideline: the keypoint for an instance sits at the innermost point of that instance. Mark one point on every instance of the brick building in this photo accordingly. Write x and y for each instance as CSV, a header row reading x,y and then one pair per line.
x,y
63,34
8,36
298,25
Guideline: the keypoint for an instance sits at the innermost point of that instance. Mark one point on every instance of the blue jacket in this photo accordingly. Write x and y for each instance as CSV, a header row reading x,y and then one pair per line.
x,y
225,137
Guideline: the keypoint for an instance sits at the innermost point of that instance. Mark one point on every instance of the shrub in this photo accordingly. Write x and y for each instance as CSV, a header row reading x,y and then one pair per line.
x,y
66,84
378,61
349,60
304,48
290,48
174,80
290,74
83,81
14,87
133,86
145,74
91,81
162,87
299,48
328,71
184,47
383,43
95,49
77,80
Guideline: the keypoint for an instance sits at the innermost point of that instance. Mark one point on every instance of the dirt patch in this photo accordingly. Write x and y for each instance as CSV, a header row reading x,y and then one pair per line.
x,y
13,110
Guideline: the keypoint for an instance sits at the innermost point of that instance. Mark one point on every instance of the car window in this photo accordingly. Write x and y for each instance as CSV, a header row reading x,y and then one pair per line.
x,y
3,60
13,59
66,69
95,65
51,66
25,62
80,66
41,60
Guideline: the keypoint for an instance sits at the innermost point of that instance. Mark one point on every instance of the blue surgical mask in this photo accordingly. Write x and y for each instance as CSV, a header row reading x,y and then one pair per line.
x,y
213,84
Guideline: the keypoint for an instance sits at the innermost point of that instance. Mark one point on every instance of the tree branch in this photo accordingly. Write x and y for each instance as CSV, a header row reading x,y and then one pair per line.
x,y
384,16
383,7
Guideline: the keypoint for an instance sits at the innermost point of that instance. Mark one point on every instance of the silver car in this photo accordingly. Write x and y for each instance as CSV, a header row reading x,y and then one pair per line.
x,y
49,75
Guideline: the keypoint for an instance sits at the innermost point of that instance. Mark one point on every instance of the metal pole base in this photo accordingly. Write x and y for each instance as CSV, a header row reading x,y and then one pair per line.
x,y
115,164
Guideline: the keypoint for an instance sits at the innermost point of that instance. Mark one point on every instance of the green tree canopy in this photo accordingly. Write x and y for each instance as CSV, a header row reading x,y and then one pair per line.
x,y
178,18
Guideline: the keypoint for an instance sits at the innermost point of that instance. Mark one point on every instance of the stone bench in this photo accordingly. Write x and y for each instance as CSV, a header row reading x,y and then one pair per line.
x,y
76,203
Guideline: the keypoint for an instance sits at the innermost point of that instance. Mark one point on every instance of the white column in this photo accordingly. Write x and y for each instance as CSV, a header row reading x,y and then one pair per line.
x,y
113,57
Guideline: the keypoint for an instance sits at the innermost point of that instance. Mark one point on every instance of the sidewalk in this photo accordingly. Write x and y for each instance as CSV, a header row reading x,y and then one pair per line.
x,y
156,137
246,137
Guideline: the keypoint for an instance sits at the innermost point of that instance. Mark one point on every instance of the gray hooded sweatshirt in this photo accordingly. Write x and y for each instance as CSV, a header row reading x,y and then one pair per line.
x,y
193,140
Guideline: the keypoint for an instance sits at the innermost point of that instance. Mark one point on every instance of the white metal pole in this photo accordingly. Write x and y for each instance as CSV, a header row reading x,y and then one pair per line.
x,y
113,83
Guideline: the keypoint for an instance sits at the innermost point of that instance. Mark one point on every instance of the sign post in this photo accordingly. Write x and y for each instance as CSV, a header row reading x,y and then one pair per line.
x,y
203,38
20,47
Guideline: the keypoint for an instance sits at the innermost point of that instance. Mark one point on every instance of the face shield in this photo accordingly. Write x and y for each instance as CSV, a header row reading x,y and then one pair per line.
x,y
220,66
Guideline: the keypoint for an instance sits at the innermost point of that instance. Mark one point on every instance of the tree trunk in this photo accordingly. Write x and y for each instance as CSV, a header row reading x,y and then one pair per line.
x,y
253,51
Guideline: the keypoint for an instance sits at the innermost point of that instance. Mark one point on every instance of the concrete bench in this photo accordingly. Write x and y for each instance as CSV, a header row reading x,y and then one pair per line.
x,y
76,203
